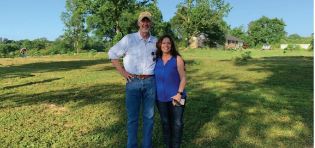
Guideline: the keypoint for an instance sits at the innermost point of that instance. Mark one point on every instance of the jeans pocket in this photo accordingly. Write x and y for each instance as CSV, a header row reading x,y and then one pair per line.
x,y
131,84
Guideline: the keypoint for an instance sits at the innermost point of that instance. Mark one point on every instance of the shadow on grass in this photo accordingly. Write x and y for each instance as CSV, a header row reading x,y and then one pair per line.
x,y
78,96
202,104
243,116
292,77
96,105
19,75
26,70
239,116
31,83
111,96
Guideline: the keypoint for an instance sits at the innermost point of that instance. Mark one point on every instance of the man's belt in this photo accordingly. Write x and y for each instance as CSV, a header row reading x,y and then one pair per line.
x,y
142,76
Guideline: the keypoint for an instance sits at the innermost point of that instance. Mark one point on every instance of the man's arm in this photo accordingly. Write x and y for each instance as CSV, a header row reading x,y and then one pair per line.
x,y
115,53
121,70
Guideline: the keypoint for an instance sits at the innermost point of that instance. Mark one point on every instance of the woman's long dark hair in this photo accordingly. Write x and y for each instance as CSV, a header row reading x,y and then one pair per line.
x,y
173,50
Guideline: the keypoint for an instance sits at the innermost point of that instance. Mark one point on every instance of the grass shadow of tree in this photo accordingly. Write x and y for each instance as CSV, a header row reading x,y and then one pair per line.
x,y
293,78
31,83
81,96
202,104
26,70
284,119
235,117
106,98
99,105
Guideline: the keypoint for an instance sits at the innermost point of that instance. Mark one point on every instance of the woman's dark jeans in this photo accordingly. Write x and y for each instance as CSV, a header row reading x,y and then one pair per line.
x,y
172,123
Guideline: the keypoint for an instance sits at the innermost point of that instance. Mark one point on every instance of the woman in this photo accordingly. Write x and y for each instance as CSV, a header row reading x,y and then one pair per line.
x,y
170,81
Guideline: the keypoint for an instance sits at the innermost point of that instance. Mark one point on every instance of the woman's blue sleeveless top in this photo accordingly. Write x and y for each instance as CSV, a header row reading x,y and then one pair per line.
x,y
167,79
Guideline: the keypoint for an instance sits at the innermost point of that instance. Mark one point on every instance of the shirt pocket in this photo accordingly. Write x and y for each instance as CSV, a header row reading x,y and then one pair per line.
x,y
152,53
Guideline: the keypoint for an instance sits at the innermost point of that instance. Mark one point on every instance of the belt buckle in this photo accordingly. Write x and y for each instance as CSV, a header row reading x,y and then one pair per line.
x,y
139,77
142,77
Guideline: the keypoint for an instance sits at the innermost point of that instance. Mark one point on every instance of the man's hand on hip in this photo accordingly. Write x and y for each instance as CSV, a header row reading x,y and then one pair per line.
x,y
121,70
127,75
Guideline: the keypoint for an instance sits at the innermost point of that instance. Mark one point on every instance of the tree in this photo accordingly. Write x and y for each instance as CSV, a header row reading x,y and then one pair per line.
x,y
75,21
40,43
128,20
294,36
27,44
6,49
240,32
104,18
196,17
312,42
266,30
297,39
60,46
112,19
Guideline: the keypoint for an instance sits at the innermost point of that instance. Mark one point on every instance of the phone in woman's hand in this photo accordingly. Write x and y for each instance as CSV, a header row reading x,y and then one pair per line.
x,y
180,103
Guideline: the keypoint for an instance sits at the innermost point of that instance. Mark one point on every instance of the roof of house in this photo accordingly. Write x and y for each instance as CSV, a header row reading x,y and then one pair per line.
x,y
233,38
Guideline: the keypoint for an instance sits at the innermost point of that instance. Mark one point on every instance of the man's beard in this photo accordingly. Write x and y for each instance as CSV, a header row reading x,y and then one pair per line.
x,y
146,30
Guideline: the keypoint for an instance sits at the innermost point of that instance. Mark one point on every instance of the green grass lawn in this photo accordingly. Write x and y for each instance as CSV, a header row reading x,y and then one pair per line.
x,y
78,101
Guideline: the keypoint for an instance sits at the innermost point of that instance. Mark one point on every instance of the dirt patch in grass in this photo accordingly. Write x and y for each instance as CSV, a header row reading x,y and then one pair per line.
x,y
55,109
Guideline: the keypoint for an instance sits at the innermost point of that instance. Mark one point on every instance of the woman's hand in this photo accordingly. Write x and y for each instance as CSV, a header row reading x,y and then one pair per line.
x,y
177,97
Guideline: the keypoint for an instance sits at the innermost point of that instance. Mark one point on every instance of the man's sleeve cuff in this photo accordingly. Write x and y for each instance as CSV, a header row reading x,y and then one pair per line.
x,y
112,56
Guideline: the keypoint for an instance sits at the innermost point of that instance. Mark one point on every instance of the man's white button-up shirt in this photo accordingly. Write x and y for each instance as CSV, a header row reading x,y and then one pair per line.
x,y
138,54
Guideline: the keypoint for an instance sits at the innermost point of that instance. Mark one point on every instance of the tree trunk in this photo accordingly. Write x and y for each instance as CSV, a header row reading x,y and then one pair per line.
x,y
77,47
117,27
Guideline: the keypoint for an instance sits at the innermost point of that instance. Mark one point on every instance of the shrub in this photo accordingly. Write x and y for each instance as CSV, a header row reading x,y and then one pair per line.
x,y
34,52
92,52
7,50
117,38
291,47
245,57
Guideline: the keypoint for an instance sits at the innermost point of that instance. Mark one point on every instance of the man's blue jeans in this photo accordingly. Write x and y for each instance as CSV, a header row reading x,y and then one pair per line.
x,y
140,93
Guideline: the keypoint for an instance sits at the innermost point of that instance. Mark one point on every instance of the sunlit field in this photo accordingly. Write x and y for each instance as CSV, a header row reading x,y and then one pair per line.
x,y
79,101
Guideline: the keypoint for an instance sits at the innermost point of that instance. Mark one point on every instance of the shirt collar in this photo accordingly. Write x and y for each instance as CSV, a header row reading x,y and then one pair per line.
x,y
141,38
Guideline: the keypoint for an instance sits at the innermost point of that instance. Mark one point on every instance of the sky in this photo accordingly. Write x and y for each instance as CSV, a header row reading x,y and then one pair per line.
x,y
31,19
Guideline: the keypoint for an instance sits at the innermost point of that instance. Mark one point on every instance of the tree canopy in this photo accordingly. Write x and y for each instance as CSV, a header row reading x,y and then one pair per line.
x,y
266,30
196,17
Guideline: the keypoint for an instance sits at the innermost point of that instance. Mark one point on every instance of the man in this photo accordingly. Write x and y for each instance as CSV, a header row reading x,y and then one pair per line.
x,y
138,52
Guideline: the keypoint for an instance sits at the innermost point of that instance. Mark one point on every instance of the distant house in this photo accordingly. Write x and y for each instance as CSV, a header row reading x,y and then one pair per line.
x,y
230,42
197,42
194,42
266,47
233,42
